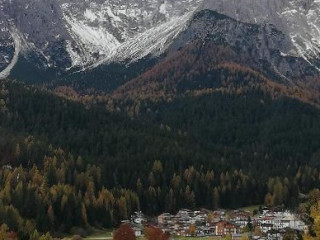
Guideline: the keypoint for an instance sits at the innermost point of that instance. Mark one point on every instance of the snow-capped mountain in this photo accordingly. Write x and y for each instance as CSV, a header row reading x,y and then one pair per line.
x,y
83,34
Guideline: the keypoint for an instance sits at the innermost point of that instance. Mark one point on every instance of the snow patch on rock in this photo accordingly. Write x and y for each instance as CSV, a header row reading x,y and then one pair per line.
x,y
118,30
6,72
151,42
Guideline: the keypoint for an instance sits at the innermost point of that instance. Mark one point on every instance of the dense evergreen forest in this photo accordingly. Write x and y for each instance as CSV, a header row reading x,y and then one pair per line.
x,y
67,166
101,79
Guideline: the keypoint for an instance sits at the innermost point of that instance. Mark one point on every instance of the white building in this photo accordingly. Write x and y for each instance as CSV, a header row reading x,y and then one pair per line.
x,y
280,220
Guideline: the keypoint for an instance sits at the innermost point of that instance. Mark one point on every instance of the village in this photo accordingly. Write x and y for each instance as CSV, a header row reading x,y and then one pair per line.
x,y
265,224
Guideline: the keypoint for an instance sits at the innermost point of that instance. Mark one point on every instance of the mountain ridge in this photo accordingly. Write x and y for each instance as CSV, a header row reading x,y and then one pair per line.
x,y
87,35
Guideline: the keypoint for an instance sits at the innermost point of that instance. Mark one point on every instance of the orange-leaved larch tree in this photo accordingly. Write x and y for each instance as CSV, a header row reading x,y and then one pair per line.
x,y
192,230
125,232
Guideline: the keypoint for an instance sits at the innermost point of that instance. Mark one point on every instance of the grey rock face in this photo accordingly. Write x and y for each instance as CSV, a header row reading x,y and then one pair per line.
x,y
117,30
298,19
66,34
40,29
82,34
262,45
6,46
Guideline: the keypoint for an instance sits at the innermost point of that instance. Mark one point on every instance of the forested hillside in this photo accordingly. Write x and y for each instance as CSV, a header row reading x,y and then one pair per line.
x,y
204,67
62,159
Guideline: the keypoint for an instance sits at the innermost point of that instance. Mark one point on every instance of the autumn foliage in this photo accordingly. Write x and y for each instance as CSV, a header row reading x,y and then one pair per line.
x,y
125,232
153,233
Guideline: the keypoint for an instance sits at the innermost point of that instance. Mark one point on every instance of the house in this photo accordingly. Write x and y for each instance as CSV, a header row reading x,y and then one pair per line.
x,y
240,218
137,228
301,226
274,235
258,238
266,219
8,167
165,219
138,218
137,231
279,220
217,216
202,231
185,216
266,227
200,217
224,228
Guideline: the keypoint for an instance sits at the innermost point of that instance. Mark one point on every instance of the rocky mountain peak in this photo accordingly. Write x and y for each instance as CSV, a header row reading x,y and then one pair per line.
x,y
300,20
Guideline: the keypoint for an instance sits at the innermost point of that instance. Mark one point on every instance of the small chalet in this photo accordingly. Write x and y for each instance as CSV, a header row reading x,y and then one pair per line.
x,y
217,216
240,218
165,219
224,228
138,218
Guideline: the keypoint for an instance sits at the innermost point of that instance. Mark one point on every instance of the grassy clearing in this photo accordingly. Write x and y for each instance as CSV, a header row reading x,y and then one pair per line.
x,y
100,235
197,238
96,235
251,208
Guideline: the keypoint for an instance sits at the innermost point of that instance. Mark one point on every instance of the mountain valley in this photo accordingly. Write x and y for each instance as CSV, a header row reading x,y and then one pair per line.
x,y
108,107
